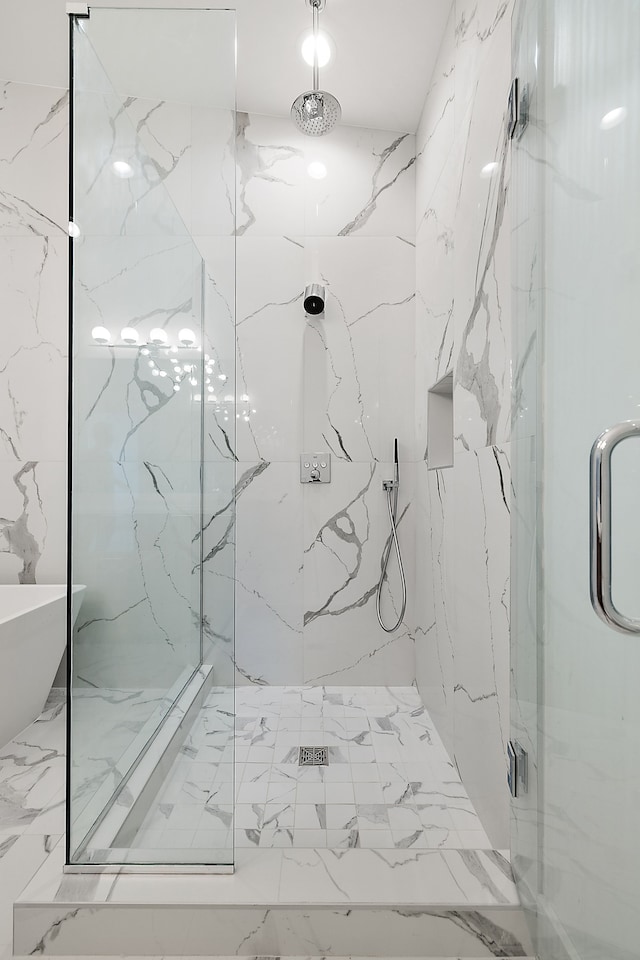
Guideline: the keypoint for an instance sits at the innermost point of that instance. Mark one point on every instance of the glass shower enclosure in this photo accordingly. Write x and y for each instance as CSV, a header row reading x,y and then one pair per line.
x,y
576,552
152,424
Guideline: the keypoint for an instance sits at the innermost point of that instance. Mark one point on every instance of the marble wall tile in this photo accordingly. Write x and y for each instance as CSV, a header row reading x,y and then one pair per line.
x,y
342,383
482,264
33,532
74,928
33,257
346,528
463,295
481,689
33,349
270,346
368,189
270,159
269,574
435,610
359,356
33,123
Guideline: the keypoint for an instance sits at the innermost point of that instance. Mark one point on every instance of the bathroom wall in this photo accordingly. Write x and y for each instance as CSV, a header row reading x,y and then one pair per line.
x,y
308,556
132,534
33,345
462,325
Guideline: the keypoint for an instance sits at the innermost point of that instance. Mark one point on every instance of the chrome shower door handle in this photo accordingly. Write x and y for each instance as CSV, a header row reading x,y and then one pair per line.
x,y
600,526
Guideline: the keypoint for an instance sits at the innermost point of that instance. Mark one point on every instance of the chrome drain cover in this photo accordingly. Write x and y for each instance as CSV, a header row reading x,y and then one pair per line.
x,y
313,757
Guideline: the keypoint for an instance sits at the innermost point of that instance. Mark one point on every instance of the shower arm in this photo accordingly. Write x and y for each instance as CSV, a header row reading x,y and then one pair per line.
x,y
316,27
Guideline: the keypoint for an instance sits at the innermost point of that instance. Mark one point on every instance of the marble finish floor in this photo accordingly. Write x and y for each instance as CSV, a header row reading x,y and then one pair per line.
x,y
32,830
389,782
32,801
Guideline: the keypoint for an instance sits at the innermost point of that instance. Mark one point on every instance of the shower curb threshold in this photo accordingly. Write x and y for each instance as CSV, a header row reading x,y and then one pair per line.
x,y
382,903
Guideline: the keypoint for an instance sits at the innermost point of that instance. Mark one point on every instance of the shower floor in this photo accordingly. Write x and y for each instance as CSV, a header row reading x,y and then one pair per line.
x,y
389,783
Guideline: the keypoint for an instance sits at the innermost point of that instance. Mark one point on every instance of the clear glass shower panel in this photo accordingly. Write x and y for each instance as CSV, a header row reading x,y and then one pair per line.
x,y
577,280
152,258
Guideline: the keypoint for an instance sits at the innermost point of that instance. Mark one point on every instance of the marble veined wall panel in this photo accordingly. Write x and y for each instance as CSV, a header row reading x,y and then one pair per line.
x,y
463,296
33,346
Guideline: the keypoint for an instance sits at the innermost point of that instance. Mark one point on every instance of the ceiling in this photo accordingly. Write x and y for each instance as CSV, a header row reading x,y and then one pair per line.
x,y
385,52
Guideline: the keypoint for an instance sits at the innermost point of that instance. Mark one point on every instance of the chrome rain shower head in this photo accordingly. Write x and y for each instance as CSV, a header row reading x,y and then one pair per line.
x,y
315,111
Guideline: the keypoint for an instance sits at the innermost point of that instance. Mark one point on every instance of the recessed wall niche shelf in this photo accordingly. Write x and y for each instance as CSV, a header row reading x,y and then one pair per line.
x,y
440,423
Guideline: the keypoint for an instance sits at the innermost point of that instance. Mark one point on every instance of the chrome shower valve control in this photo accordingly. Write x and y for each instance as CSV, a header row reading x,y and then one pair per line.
x,y
315,468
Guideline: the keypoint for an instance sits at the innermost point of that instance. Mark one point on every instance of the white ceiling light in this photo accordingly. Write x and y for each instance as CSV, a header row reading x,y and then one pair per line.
x,y
122,169
613,118
324,49
187,337
317,170
129,335
158,335
101,335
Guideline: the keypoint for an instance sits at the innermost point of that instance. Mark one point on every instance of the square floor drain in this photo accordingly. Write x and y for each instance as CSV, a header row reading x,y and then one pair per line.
x,y
313,757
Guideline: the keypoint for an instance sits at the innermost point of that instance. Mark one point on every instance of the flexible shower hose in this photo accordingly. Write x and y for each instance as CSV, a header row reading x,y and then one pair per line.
x,y
393,540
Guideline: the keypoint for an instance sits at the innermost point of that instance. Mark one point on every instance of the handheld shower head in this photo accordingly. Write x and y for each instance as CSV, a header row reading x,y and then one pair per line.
x,y
315,111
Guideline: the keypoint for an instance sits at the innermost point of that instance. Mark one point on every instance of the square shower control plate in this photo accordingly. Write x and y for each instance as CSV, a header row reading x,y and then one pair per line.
x,y
315,468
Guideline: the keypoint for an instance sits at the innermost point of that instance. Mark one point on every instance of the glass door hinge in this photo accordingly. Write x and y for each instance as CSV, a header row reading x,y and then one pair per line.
x,y
517,769
518,109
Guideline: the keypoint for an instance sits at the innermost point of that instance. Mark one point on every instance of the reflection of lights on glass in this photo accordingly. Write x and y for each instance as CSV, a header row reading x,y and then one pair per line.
x,y
197,396
209,369
187,337
215,398
489,170
324,50
158,336
210,389
613,118
129,335
246,418
228,398
144,352
222,376
101,335
122,169
163,373
151,364
245,398
193,382
177,369
74,229
254,411
155,372
176,388
317,170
